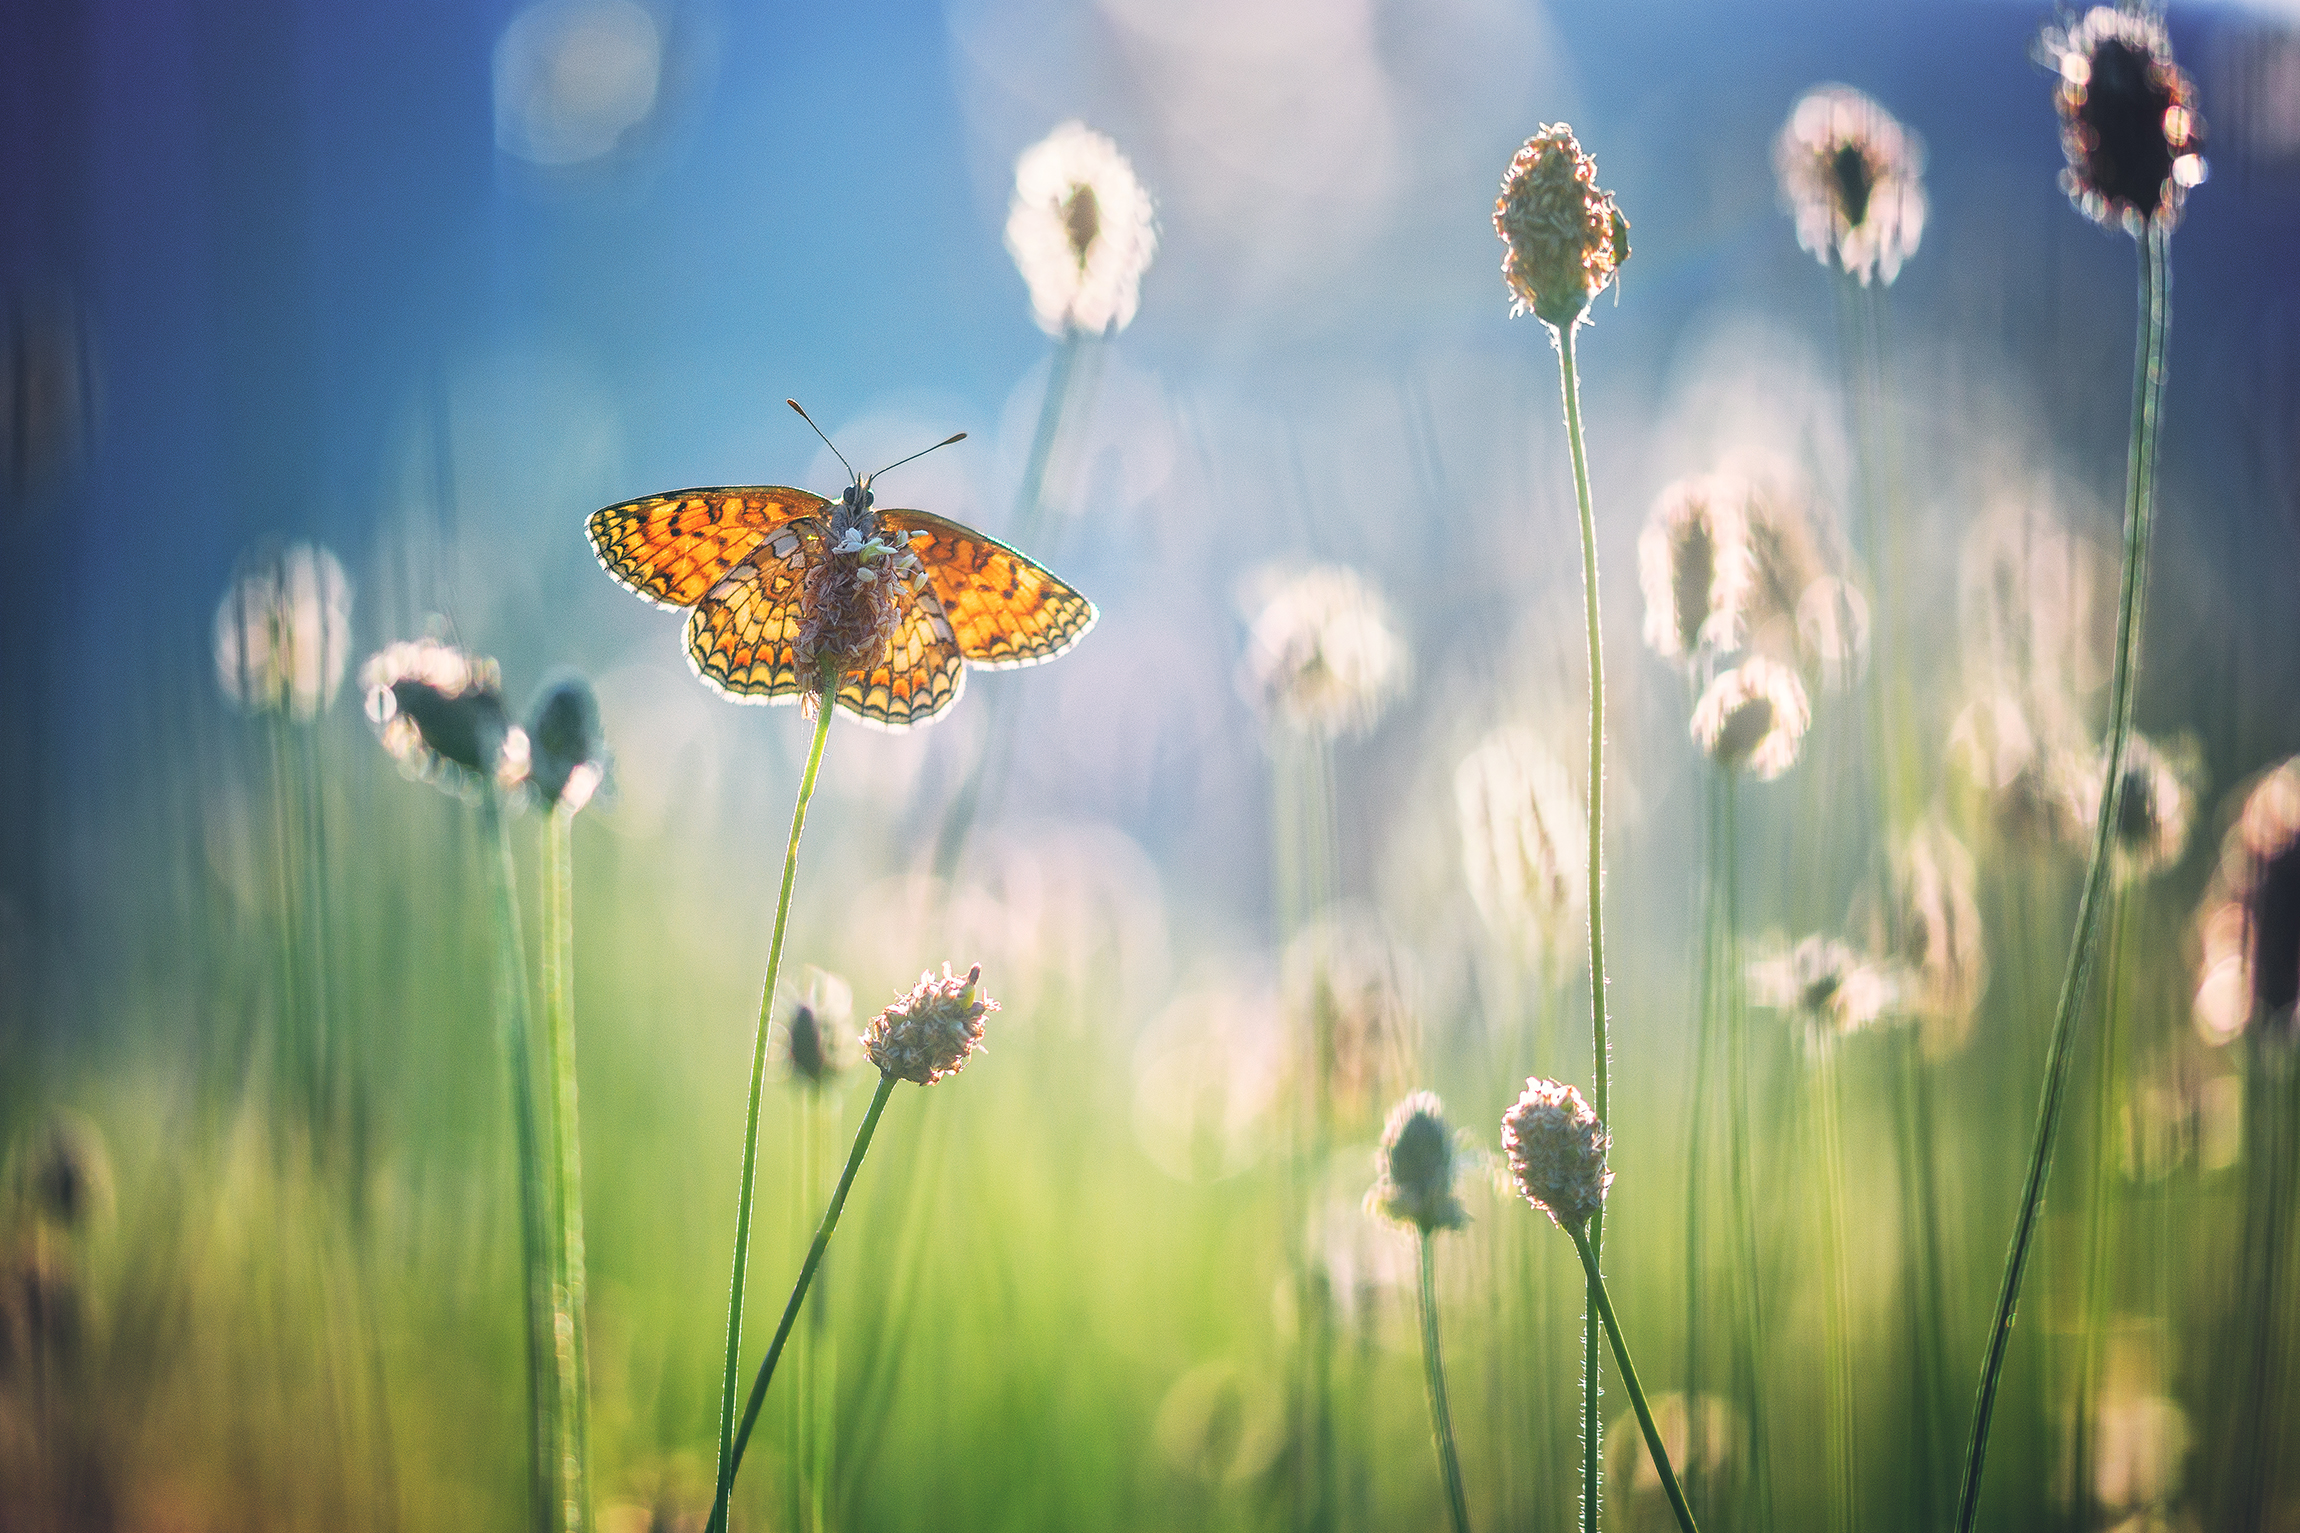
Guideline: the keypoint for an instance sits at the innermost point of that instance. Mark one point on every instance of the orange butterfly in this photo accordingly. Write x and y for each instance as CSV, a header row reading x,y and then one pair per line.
x,y
783,582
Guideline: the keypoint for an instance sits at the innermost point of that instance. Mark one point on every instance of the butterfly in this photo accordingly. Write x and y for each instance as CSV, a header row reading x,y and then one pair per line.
x,y
765,569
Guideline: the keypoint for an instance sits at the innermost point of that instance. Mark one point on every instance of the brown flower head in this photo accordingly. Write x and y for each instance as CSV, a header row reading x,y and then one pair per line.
x,y
1556,1150
931,1032
1566,238
1753,718
1415,1167
1851,175
1694,563
2250,974
2128,120
2151,829
812,1050
440,712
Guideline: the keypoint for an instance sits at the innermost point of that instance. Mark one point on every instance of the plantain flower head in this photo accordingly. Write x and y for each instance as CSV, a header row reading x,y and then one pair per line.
x,y
2128,119
1082,230
1695,565
566,747
2151,829
1556,1150
2250,974
1753,718
1415,1168
1566,240
932,1031
1524,836
1324,654
1833,989
1852,177
441,715
283,631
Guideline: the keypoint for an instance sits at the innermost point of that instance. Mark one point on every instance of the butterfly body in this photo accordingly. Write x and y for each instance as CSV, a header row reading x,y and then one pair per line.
x,y
784,586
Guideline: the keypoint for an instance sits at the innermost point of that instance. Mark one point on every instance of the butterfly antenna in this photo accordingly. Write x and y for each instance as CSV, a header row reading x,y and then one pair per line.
x,y
827,442
922,452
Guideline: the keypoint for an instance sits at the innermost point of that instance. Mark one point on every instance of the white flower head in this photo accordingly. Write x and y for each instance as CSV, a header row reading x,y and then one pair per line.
x,y
1853,178
1325,654
1753,718
1524,837
1082,231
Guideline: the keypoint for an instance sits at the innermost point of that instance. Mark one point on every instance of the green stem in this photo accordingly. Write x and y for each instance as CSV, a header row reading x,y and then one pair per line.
x,y
571,1354
806,1277
1653,1443
2140,498
1441,1419
534,1218
2097,1277
1752,1350
1837,1341
1569,383
733,1376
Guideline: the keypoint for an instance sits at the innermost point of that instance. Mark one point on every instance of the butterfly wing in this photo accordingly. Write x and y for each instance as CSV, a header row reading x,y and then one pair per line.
x,y
923,672
1004,609
741,637
672,549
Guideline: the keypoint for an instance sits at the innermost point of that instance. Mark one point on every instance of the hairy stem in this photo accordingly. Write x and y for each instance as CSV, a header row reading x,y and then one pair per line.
x,y
1592,1428
569,1354
1653,1443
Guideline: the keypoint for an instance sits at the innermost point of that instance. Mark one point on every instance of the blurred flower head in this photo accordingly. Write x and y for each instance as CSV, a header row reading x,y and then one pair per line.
x,y
2250,924
1932,933
1852,177
1706,1445
567,748
1524,837
2035,793
1832,988
2151,829
1082,230
61,1175
1206,1076
1556,1150
1694,563
1753,718
2128,119
1566,240
814,1049
441,715
1324,655
932,1031
283,631
1415,1167
1354,982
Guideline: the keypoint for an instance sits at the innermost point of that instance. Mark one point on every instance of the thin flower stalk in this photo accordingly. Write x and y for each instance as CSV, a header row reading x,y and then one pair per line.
x,y
923,1037
570,1352
2154,244
1441,1418
1653,1443
1840,1434
537,1262
828,684
1750,1346
2108,1092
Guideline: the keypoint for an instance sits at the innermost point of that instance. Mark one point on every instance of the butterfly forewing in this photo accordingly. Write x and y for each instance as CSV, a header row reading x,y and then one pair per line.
x,y
742,633
672,549
1004,609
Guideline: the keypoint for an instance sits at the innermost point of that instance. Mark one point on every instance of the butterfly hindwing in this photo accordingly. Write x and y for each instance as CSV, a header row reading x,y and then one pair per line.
x,y
922,674
1004,609
742,633
672,549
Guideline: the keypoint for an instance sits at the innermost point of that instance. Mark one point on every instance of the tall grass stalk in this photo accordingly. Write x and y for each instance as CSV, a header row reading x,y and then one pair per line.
x,y
1697,1137
798,1297
1592,1428
570,1351
1843,1472
1441,1418
2108,1082
1750,1350
2139,506
537,1265
1653,1443
732,1379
